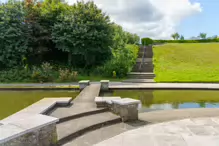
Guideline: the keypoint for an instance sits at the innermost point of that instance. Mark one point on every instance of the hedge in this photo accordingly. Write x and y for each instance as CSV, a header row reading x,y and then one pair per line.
x,y
186,41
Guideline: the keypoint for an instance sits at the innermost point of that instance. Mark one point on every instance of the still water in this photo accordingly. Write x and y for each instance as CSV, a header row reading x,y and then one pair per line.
x,y
170,99
13,101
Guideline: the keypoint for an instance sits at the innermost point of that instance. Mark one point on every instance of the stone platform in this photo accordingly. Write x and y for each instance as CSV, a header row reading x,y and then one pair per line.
x,y
188,132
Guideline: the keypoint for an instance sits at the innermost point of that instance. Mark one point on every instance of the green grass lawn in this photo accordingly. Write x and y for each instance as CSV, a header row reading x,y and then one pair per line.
x,y
13,101
198,62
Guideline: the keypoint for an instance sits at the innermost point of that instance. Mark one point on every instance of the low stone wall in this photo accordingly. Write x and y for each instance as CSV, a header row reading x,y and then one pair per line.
x,y
29,127
45,136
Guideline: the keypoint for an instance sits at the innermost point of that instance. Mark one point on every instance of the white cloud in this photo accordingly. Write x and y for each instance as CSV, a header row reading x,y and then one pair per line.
x,y
148,18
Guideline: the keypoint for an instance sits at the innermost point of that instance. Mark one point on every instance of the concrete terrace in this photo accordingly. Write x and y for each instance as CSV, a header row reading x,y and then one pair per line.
x,y
187,132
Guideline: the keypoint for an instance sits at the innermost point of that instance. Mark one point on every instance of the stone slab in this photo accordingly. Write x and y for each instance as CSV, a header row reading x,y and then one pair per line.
x,y
169,134
105,99
126,101
200,86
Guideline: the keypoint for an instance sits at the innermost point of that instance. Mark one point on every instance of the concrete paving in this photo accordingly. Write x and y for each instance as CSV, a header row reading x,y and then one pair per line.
x,y
166,86
84,102
187,132
72,126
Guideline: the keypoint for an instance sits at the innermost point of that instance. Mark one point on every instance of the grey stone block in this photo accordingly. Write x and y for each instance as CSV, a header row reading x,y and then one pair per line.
x,y
104,85
105,101
127,108
83,84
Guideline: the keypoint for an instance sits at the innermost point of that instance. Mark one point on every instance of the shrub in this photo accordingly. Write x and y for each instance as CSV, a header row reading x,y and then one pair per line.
x,y
15,75
43,73
67,75
146,41
186,41
121,63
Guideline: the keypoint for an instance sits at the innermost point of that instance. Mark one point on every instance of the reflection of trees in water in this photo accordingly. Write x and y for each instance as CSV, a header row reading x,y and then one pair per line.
x,y
146,98
175,105
202,104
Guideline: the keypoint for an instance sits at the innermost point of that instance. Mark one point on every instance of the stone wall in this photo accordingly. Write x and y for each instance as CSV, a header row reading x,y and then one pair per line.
x,y
45,136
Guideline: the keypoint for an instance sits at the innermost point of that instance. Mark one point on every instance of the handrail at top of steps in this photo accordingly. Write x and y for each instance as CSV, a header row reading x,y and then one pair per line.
x,y
143,56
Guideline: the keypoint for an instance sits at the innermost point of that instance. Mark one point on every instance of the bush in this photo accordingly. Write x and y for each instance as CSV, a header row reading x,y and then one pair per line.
x,y
121,63
15,75
67,75
146,41
43,73
186,41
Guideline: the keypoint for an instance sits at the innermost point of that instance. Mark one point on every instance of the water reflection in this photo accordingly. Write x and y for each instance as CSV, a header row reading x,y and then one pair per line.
x,y
170,99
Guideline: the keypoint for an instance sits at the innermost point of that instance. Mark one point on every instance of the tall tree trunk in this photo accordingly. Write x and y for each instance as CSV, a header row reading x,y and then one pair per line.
x,y
69,58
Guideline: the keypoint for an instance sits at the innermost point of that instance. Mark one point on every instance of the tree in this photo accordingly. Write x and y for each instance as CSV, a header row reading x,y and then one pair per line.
x,y
146,41
203,35
84,30
182,37
132,38
175,36
120,37
13,34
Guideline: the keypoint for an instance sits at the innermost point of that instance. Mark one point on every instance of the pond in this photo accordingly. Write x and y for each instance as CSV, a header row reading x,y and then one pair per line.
x,y
13,101
170,99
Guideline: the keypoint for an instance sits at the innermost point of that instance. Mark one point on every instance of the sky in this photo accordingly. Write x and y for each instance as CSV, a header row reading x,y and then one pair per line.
x,y
159,19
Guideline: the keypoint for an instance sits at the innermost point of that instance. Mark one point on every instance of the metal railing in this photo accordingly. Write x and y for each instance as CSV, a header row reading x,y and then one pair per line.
x,y
142,62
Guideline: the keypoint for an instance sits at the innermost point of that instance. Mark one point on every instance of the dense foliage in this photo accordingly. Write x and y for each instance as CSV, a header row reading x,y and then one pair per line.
x,y
146,41
77,37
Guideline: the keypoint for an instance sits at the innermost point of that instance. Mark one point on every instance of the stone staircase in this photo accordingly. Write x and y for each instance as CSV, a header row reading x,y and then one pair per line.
x,y
143,69
83,117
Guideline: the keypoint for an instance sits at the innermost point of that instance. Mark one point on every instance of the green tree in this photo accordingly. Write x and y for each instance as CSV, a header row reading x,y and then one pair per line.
x,y
13,34
182,37
132,38
84,30
120,38
203,35
175,36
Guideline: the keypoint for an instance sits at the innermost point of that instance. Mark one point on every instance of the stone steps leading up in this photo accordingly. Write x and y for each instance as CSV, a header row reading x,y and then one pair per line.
x,y
139,81
69,130
141,75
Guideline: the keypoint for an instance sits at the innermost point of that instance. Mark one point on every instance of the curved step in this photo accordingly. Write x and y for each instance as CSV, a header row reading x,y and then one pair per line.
x,y
101,134
70,130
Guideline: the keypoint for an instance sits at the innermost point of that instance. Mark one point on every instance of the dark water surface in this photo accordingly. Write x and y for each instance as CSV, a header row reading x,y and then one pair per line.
x,y
170,99
13,101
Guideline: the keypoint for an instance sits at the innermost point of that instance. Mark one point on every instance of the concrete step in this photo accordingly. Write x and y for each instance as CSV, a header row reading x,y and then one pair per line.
x,y
102,134
141,75
139,81
70,130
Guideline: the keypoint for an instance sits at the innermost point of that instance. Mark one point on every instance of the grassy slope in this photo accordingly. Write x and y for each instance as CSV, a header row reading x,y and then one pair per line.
x,y
187,62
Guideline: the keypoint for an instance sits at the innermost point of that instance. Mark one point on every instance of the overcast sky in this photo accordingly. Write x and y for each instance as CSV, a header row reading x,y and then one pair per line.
x,y
149,18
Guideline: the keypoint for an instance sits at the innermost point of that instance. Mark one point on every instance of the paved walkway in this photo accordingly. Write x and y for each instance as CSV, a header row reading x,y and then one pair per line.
x,y
124,85
84,102
188,132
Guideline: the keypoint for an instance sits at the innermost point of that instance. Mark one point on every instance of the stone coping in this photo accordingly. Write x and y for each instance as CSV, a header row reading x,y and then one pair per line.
x,y
105,99
166,86
20,127
39,107
126,101
30,118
